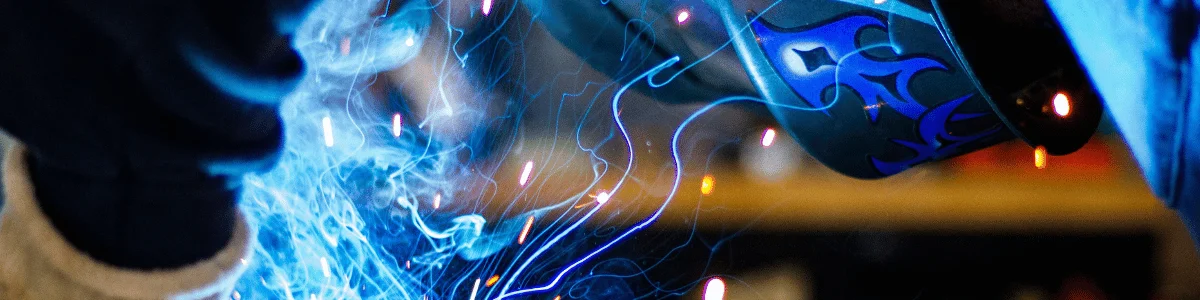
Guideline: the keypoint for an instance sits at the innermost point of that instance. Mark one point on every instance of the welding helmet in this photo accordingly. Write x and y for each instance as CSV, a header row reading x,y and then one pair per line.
x,y
873,87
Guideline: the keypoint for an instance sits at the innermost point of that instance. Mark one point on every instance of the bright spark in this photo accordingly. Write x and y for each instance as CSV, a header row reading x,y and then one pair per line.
x,y
683,16
1062,105
707,185
325,268
487,7
768,137
525,173
1040,157
410,42
602,198
397,124
328,125
437,200
714,289
492,281
408,264
475,290
525,231
880,1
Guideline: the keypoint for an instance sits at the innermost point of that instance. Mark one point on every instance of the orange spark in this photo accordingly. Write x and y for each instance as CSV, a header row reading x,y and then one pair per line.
x,y
492,281
707,184
525,231
1039,157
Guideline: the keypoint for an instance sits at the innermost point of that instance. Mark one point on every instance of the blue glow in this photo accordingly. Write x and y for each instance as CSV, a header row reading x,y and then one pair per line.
x,y
356,218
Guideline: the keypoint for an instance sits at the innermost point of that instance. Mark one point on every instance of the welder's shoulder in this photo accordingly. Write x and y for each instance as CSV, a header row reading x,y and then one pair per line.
x,y
37,263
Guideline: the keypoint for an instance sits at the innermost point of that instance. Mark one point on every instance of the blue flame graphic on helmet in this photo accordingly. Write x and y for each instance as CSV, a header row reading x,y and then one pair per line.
x,y
812,60
936,141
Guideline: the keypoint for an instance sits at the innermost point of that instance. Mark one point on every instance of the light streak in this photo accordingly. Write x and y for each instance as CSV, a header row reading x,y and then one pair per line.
x,y
714,289
492,280
707,184
525,173
525,231
1062,105
1040,157
325,268
437,200
768,137
475,290
327,125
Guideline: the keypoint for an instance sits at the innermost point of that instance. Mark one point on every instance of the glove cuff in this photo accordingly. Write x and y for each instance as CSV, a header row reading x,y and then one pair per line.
x,y
31,240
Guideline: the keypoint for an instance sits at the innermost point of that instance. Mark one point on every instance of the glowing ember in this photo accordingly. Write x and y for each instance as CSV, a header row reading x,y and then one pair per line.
x,y
397,124
683,16
328,126
768,137
714,289
492,281
525,173
525,231
1062,105
707,184
1039,157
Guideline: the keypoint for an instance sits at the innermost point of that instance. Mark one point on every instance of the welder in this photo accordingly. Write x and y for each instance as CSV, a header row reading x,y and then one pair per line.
x,y
135,120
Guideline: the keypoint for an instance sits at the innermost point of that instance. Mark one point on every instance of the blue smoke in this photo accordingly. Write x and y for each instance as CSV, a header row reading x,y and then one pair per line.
x,y
356,211
348,212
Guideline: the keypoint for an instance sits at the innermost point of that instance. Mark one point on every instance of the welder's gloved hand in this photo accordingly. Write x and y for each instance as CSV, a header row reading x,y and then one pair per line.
x,y
137,120
1142,56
